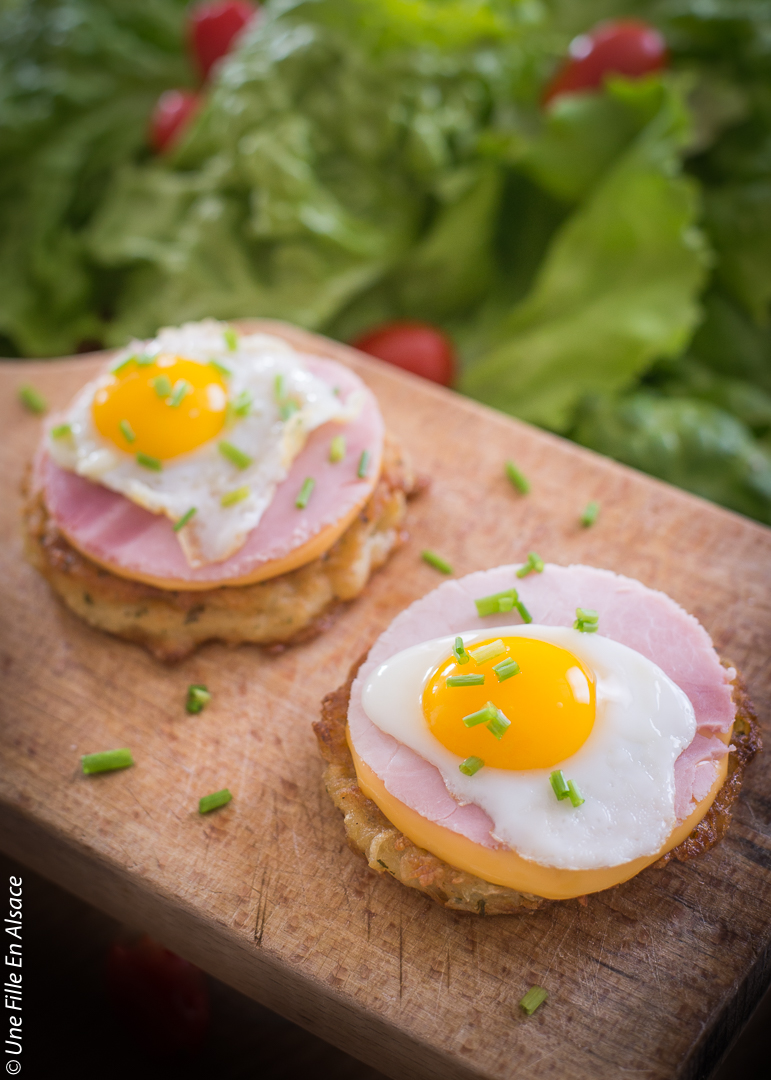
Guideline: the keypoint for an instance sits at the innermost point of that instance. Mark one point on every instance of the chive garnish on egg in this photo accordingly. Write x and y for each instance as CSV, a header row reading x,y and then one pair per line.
x,y
304,493
242,405
124,365
590,514
234,455
485,715
488,652
559,784
534,565
181,389
465,680
184,519
198,697
278,387
106,761
61,431
231,339
214,801
127,431
32,400
337,449
287,409
506,669
499,724
148,462
534,998
225,372
230,498
516,478
436,561
145,359
460,652
471,765
574,794
162,385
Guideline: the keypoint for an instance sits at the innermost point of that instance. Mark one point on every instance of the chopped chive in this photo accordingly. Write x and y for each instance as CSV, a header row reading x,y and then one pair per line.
x,y
534,998
363,468
587,620
590,514
459,652
184,519
499,725
231,339
483,716
145,359
506,669
559,784
465,680
234,455
214,802
107,761
197,697
337,449
574,794
127,431
534,564
304,493
488,652
181,389
225,372
230,498
162,385
491,605
471,765
124,365
517,479
61,431
33,400
242,405
526,616
435,560
148,462
278,387
287,409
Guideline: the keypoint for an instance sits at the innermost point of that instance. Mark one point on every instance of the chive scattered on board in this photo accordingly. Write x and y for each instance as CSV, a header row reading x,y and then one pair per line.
x,y
32,400
533,999
198,697
214,801
305,492
184,519
234,455
516,478
107,761
590,514
436,561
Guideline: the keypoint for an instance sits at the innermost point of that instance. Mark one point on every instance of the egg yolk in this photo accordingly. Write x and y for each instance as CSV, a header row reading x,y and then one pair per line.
x,y
164,408
550,704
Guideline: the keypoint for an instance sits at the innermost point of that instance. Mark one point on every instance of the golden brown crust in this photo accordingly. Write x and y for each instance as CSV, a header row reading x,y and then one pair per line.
x,y
386,849
284,610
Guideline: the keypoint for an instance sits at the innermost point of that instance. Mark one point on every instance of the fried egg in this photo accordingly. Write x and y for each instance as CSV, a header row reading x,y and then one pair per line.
x,y
544,707
200,424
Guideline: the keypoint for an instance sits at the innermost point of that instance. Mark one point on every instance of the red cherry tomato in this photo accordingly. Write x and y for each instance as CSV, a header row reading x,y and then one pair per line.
x,y
625,47
161,998
213,28
173,111
415,346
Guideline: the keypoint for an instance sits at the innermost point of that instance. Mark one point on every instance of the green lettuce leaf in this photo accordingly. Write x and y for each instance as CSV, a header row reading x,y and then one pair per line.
x,y
617,287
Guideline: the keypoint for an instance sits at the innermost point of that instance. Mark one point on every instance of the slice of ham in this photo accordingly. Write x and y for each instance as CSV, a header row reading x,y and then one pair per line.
x,y
132,541
645,620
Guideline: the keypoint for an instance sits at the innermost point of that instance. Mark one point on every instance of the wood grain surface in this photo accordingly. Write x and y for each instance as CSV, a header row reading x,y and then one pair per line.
x,y
651,979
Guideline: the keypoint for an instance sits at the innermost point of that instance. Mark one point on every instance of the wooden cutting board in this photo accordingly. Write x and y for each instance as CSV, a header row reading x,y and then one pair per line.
x,y
651,979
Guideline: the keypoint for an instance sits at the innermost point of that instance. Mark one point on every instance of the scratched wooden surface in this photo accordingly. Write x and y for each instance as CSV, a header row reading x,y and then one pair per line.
x,y
650,979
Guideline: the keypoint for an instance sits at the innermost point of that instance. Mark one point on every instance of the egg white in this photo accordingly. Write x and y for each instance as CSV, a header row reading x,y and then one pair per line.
x,y
624,770
202,477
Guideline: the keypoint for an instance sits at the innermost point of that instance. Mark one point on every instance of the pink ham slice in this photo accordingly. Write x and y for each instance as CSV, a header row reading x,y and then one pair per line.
x,y
115,531
630,613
